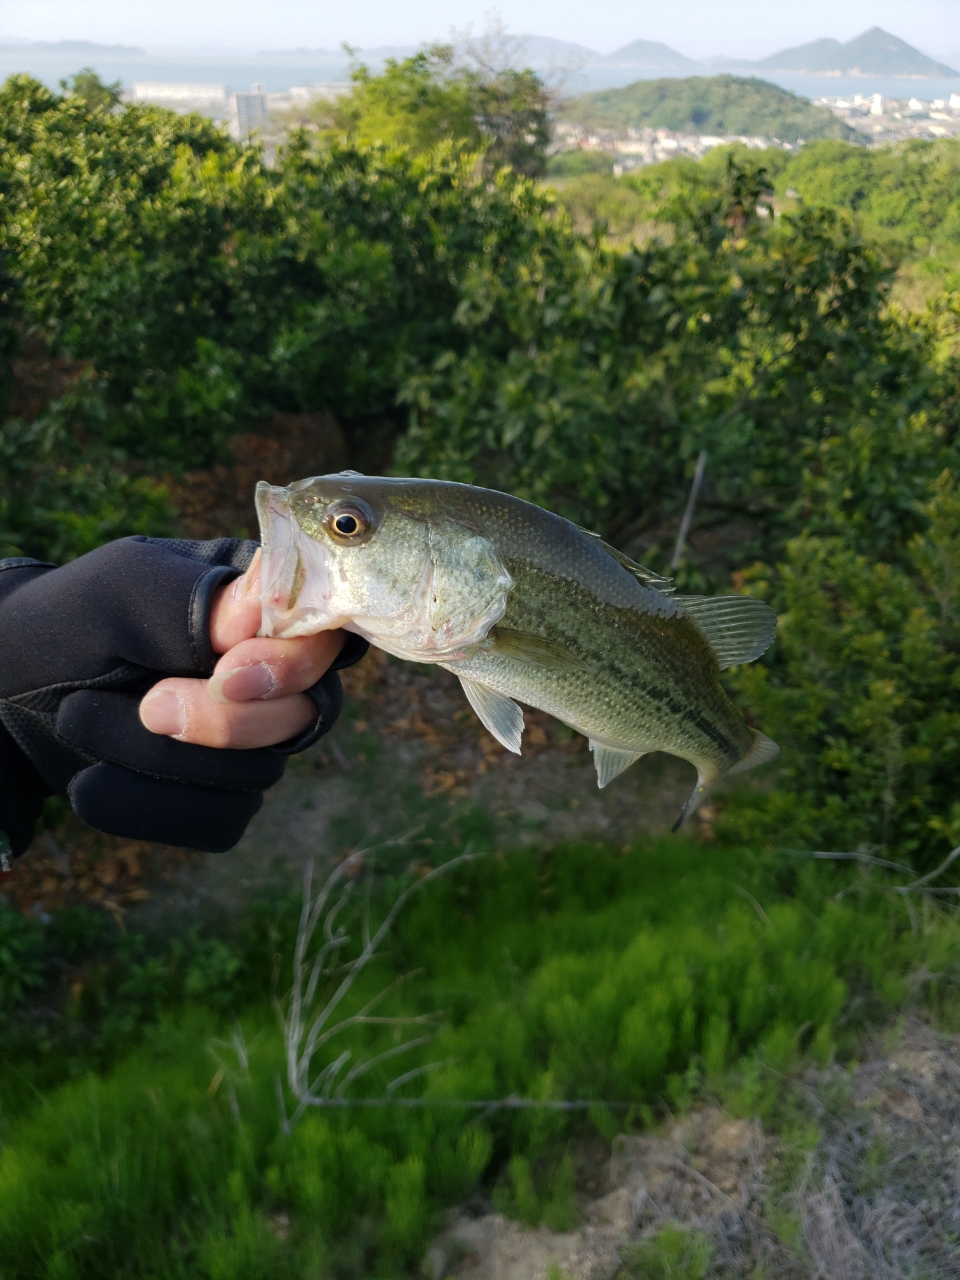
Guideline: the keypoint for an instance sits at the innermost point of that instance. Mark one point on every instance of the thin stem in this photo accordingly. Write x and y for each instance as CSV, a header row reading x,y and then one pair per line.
x,y
689,509
932,875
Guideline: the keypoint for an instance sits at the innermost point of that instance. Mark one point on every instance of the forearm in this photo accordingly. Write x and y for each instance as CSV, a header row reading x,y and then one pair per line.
x,y
22,790
22,793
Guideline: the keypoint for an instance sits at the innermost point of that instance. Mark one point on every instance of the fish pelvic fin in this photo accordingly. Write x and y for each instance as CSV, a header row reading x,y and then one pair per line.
x,y
764,750
610,762
737,628
499,714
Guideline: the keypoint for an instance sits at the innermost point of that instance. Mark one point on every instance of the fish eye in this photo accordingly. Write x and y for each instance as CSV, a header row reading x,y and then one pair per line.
x,y
349,521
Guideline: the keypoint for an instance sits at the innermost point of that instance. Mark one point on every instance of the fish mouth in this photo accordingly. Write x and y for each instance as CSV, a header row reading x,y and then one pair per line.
x,y
295,579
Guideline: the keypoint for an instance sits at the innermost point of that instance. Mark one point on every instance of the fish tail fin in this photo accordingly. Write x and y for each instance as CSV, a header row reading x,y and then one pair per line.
x,y
764,750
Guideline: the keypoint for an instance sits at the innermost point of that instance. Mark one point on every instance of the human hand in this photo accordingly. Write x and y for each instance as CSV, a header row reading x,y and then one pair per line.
x,y
83,645
255,697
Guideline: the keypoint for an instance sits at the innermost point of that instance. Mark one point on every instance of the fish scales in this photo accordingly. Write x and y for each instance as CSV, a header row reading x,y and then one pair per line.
x,y
522,606
640,684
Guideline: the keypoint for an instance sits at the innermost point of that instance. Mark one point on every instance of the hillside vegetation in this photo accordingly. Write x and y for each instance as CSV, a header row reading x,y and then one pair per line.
x,y
721,105
905,197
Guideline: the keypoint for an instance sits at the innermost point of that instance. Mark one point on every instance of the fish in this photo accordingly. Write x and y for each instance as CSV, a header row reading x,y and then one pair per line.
x,y
522,606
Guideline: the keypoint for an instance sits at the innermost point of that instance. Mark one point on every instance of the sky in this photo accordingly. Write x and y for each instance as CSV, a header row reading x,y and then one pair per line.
x,y
698,28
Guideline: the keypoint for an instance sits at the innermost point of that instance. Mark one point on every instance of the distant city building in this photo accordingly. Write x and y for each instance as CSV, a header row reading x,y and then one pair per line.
x,y
250,113
309,93
876,105
164,91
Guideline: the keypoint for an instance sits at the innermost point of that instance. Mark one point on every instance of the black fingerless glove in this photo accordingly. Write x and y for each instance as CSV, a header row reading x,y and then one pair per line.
x,y
79,647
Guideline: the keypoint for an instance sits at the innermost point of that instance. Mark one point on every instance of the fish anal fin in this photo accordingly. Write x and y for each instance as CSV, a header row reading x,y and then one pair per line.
x,y
610,762
498,713
537,650
737,628
764,750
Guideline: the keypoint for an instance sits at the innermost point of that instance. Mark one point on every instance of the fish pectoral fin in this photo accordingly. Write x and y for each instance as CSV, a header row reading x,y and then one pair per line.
x,y
737,628
498,713
610,762
764,750
537,650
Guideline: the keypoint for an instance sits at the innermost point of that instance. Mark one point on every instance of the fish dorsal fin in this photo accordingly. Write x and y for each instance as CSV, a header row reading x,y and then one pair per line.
x,y
538,650
764,750
737,628
610,762
499,714
646,577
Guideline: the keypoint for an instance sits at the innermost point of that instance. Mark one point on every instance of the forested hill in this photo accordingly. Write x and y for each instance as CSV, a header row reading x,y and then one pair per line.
x,y
721,105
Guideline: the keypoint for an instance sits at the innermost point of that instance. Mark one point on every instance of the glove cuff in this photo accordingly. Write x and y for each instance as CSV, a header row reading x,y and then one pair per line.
x,y
327,696
354,648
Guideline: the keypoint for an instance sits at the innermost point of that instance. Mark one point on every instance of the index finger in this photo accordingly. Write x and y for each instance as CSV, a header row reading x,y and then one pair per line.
x,y
236,613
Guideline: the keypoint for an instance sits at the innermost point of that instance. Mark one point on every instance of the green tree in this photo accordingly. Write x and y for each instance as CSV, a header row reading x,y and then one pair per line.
x,y
87,84
477,102
416,102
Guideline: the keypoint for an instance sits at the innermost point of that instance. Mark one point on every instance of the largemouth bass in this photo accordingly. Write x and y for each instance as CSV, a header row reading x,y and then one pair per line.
x,y
523,606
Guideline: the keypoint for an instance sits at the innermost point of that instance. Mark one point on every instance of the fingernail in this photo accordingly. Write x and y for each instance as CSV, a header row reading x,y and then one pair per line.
x,y
246,683
164,712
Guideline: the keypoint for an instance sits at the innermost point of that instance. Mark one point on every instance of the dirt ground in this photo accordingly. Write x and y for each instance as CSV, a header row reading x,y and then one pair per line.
x,y
876,1197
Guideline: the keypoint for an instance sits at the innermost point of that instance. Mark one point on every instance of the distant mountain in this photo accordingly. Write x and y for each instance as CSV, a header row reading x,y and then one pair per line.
x,y
545,51
725,106
874,53
341,55
650,55
300,52
83,47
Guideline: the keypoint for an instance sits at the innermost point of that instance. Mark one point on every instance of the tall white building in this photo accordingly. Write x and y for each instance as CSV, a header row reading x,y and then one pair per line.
x,y
250,114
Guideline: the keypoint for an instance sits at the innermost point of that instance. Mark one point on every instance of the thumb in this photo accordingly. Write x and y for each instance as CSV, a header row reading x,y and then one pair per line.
x,y
236,613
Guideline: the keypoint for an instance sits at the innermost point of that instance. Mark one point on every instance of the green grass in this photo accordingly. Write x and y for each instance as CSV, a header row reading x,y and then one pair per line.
x,y
647,977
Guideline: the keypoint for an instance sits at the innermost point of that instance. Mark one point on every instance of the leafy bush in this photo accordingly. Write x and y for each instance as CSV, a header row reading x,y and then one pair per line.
x,y
21,956
620,367
59,499
865,692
